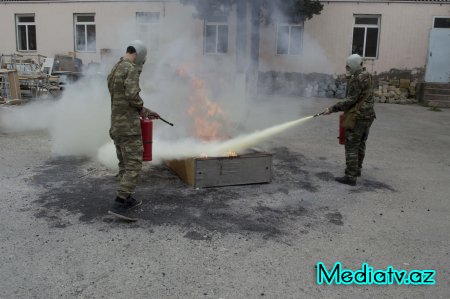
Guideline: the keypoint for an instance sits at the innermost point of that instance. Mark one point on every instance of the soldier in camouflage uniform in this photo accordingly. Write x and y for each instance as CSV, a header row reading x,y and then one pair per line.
x,y
360,103
126,108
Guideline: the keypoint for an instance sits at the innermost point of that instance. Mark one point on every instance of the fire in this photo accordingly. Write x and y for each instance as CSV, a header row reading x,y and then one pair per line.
x,y
209,117
232,154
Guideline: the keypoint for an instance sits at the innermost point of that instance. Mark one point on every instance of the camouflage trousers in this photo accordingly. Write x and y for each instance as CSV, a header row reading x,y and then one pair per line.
x,y
355,146
129,150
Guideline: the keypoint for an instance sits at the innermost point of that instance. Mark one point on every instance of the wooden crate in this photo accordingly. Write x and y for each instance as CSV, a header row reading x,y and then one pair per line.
x,y
10,79
245,169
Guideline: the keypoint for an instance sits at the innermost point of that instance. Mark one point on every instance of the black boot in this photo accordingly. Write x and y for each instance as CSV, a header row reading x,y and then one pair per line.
x,y
346,180
122,205
358,172
132,202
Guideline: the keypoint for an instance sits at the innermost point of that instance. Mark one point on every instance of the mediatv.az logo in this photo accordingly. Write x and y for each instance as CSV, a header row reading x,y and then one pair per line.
x,y
367,275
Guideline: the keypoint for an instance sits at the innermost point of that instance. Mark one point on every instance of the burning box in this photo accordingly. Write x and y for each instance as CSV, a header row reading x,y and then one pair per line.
x,y
252,168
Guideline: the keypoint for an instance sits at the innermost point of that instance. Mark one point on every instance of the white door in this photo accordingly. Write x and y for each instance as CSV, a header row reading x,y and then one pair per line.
x,y
438,64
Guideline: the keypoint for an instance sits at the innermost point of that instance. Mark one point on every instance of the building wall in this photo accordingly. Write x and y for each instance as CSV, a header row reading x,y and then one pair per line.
x,y
180,38
403,43
55,27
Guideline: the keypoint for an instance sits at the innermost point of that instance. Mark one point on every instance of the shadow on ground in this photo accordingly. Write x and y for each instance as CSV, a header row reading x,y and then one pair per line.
x,y
80,187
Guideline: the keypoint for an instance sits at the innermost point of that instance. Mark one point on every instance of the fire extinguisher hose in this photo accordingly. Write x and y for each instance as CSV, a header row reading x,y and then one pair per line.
x,y
169,123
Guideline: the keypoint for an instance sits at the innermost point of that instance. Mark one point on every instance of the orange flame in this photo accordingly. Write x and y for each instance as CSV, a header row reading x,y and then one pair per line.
x,y
208,115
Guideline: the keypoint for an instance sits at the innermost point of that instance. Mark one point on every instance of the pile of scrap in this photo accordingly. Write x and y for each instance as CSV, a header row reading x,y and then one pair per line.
x,y
33,83
401,91
9,87
4,102
61,70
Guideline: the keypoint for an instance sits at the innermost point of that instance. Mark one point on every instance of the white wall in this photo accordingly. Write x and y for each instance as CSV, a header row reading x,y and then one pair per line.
x,y
115,27
403,41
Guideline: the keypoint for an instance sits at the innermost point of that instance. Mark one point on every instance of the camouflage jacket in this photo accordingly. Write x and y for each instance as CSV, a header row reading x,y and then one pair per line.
x,y
123,85
359,91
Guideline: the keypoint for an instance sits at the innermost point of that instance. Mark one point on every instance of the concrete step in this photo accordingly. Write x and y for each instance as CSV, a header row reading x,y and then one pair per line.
x,y
430,90
437,97
437,85
433,93
441,104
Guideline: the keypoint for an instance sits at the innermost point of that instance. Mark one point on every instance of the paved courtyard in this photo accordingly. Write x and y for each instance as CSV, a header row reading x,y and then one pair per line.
x,y
254,241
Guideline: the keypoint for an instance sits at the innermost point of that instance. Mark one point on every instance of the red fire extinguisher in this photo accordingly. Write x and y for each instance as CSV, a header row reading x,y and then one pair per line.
x,y
341,129
147,138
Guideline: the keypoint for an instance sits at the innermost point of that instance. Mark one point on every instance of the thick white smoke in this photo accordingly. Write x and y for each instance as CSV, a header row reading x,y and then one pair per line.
x,y
79,121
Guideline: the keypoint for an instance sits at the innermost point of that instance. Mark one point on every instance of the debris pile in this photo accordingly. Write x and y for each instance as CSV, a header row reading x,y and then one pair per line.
x,y
300,84
386,90
335,88
33,76
401,91
10,102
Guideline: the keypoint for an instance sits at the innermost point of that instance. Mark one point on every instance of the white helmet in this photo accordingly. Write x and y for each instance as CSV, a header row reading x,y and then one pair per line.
x,y
353,64
141,52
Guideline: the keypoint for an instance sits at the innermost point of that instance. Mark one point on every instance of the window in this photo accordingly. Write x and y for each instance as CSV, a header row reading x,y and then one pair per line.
x,y
85,33
289,39
26,33
216,36
366,31
148,28
441,22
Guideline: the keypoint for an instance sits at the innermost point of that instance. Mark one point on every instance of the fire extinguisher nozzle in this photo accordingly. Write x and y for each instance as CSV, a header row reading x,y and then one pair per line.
x,y
169,123
321,113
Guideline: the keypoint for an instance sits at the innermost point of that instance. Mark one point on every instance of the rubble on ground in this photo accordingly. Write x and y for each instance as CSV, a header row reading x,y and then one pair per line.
x,y
393,91
401,91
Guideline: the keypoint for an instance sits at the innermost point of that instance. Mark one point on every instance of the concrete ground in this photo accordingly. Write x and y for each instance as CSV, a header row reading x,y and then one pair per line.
x,y
257,241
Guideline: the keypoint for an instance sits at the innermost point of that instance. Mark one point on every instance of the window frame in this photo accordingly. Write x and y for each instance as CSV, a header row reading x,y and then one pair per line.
x,y
151,28
216,24
290,25
27,24
439,17
85,23
366,26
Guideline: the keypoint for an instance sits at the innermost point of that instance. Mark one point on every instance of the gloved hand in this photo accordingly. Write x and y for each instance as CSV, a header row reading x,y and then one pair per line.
x,y
147,113
327,111
153,115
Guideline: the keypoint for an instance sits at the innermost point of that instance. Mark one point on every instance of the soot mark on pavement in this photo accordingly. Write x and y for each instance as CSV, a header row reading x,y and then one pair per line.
x,y
335,218
287,168
366,185
67,188
325,176
72,186
193,235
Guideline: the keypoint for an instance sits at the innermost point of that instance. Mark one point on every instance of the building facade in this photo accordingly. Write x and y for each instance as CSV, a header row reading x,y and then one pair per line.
x,y
388,34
